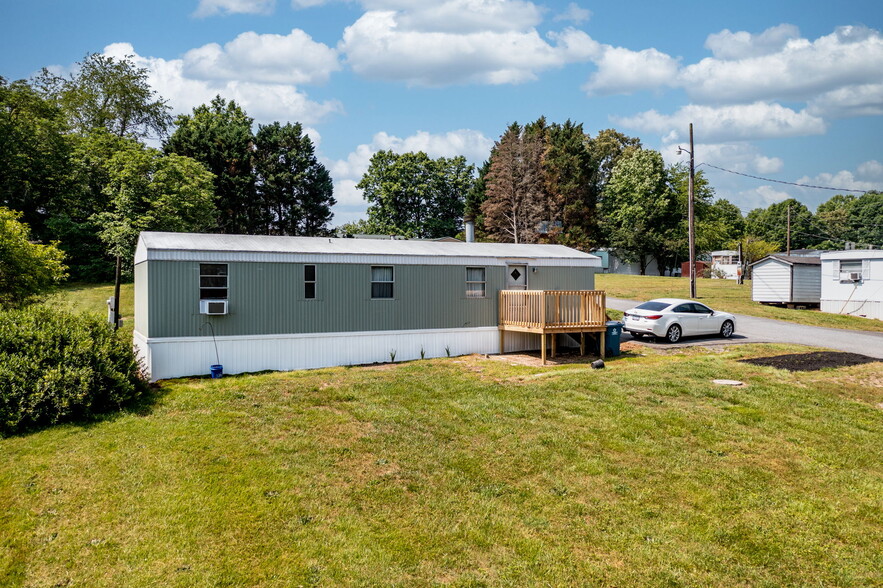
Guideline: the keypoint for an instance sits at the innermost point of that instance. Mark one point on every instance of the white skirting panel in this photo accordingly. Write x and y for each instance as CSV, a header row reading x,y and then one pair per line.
x,y
175,357
864,308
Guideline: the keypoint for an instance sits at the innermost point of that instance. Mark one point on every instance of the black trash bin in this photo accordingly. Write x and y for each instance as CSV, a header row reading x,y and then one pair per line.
x,y
611,338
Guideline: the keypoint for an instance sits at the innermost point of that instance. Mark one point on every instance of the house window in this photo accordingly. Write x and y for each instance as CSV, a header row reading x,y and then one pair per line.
x,y
212,281
309,281
381,281
475,282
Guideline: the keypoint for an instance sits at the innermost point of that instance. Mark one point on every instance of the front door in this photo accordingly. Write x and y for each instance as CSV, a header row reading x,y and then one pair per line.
x,y
516,278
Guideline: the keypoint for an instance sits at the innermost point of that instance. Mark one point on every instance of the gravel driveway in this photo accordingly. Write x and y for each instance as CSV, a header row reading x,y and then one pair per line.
x,y
751,329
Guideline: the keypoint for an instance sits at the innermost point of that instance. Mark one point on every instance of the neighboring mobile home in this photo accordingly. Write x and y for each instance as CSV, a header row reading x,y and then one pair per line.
x,y
786,279
726,264
282,303
852,282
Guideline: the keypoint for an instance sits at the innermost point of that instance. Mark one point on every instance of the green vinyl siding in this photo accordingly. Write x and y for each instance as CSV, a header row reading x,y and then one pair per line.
x,y
268,298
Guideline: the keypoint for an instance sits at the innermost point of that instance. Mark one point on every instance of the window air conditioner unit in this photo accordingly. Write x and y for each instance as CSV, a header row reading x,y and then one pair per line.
x,y
213,307
855,276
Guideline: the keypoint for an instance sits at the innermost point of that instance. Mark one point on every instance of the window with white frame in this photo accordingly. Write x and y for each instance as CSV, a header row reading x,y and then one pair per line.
x,y
213,281
382,280
476,285
309,281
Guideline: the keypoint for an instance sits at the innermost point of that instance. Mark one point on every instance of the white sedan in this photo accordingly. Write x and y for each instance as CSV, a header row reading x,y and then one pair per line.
x,y
673,318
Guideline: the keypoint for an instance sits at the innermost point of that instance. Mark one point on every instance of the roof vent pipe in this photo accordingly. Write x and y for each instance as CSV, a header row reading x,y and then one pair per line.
x,y
469,221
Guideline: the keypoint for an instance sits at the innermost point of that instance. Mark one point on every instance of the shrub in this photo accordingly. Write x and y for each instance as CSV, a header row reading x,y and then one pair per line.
x,y
57,366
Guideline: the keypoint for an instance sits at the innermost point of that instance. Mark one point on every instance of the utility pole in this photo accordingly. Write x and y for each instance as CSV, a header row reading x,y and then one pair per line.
x,y
116,296
788,246
691,237
690,229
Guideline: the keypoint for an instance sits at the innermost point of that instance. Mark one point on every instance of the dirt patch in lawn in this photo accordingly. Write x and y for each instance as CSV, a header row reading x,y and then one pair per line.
x,y
807,362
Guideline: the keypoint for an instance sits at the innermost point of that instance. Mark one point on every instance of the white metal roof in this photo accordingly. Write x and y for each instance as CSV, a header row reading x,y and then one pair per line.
x,y
853,254
211,247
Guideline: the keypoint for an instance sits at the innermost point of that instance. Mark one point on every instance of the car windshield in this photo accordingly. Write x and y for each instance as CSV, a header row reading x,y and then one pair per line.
x,y
653,305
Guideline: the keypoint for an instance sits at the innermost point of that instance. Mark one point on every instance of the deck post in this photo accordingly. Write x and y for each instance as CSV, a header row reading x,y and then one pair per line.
x,y
543,347
601,349
582,342
554,345
502,341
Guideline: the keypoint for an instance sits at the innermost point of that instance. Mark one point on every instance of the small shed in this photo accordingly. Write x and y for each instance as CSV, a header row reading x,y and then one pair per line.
x,y
787,279
852,282
252,302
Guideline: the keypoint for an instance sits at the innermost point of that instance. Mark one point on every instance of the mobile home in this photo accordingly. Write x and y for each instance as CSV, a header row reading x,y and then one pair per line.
x,y
852,282
255,303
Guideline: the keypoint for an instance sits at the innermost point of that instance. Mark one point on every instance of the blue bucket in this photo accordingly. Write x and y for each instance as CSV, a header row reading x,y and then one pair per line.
x,y
217,371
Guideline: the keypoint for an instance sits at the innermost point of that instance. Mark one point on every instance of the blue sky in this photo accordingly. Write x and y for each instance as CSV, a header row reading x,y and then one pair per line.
x,y
786,90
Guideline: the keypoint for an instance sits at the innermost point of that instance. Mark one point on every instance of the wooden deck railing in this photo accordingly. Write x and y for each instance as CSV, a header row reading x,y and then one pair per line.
x,y
552,310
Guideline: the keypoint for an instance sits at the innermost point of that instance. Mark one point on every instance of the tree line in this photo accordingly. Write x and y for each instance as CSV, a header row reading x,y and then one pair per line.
x,y
76,168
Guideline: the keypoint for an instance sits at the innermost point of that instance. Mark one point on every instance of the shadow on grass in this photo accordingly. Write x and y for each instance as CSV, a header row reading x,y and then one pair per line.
x,y
141,406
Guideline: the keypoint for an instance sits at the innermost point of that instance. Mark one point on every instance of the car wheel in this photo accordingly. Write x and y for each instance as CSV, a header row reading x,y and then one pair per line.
x,y
673,335
727,329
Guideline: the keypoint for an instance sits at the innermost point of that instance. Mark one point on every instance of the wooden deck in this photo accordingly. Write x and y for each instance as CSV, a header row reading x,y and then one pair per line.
x,y
553,311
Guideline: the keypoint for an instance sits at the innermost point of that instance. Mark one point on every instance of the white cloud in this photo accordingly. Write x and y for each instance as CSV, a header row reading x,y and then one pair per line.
x,y
623,71
801,70
727,45
265,102
842,180
850,101
870,170
738,156
213,7
761,120
466,16
283,59
768,165
378,46
768,195
574,14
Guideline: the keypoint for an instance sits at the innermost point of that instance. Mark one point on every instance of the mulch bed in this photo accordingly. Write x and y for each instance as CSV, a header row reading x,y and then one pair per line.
x,y
807,362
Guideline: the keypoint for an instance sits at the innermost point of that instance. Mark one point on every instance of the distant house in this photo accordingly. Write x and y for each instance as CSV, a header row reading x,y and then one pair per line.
x,y
786,279
613,263
280,303
852,282
726,264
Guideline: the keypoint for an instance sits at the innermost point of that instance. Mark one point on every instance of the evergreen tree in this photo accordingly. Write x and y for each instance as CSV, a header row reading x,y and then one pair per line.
x,y
294,189
219,135
515,203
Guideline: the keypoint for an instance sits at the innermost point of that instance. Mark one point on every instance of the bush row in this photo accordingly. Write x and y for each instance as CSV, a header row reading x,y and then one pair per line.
x,y
57,366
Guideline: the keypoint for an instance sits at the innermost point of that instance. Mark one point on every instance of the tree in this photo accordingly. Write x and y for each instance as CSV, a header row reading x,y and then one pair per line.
x,y
642,215
26,268
33,154
606,149
152,192
867,219
515,203
570,174
219,135
108,93
771,224
294,189
411,194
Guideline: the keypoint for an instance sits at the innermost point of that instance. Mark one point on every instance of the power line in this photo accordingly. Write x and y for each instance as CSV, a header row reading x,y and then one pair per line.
x,y
784,182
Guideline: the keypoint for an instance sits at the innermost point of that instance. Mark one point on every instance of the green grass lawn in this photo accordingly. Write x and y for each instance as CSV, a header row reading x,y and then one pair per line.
x,y
724,295
463,472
